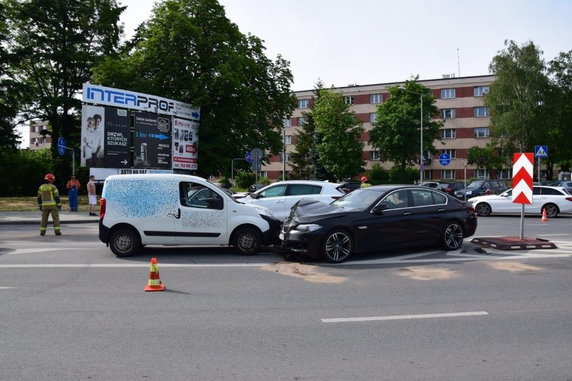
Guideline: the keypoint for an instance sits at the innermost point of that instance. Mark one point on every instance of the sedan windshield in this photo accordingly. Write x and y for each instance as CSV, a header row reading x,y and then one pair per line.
x,y
360,199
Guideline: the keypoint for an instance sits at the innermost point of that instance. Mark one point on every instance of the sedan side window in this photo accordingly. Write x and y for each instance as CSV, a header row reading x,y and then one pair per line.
x,y
396,200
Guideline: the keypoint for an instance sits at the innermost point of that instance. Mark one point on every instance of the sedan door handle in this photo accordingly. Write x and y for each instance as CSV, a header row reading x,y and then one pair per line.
x,y
407,213
441,210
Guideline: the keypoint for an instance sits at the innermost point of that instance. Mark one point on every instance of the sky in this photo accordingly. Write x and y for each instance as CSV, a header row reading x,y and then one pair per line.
x,y
377,41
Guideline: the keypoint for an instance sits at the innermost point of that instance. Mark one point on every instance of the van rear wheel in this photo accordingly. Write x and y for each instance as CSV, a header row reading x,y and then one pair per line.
x,y
246,240
124,242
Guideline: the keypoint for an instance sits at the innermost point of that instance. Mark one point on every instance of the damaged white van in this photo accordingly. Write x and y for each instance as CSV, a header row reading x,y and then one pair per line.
x,y
172,209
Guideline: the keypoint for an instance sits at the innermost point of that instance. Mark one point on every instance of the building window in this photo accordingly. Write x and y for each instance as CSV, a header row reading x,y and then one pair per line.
x,y
447,93
481,132
288,159
481,112
372,117
301,121
286,122
303,103
288,139
448,133
374,155
448,174
479,91
349,100
481,174
505,174
447,113
451,152
375,98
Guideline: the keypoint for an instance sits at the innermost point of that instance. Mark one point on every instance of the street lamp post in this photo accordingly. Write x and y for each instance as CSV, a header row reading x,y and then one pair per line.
x,y
421,162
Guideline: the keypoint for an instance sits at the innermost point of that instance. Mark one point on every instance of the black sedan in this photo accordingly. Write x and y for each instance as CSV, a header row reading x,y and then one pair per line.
x,y
374,218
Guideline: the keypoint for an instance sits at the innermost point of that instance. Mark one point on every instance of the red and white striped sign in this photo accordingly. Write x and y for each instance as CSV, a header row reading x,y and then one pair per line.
x,y
522,167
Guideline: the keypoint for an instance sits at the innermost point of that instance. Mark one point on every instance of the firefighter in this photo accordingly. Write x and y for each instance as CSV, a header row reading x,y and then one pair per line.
x,y
364,183
49,203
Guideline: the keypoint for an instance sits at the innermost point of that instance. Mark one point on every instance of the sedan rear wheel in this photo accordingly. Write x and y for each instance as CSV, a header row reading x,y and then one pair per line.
x,y
337,246
452,236
483,209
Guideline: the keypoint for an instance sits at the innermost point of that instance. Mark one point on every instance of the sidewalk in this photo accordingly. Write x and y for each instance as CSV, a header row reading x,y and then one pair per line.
x,y
33,218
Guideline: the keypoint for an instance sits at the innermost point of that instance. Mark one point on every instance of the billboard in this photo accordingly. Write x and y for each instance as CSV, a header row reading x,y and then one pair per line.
x,y
185,144
152,142
122,129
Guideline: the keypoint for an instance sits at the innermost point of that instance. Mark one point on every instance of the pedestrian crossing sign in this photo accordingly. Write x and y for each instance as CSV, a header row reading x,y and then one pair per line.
x,y
541,152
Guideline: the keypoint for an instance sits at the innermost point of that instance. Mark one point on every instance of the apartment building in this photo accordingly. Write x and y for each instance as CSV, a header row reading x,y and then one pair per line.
x,y
37,140
460,101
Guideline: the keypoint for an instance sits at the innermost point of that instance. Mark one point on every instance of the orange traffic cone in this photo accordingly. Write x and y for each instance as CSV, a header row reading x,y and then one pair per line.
x,y
544,216
154,283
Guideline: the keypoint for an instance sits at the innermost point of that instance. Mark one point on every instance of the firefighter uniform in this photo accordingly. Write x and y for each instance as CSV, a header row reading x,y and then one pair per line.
x,y
49,203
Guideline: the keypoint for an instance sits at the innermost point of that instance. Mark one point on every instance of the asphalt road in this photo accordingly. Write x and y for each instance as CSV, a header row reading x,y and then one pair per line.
x,y
71,310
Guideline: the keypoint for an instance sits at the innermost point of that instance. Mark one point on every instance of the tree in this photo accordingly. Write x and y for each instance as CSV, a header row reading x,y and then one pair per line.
x,y
189,51
8,108
396,132
53,45
487,157
340,149
560,71
517,98
305,160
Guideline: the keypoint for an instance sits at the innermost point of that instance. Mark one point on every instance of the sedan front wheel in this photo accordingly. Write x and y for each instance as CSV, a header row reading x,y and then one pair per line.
x,y
337,246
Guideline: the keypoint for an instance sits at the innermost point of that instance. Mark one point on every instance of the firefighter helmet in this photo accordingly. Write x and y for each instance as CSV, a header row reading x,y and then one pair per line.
x,y
51,178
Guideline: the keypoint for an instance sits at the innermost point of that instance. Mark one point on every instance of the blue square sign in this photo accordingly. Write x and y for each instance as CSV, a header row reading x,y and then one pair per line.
x,y
541,152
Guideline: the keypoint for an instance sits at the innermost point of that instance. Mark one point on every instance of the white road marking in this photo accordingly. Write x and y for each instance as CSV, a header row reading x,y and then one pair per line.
x,y
128,265
7,288
403,317
38,250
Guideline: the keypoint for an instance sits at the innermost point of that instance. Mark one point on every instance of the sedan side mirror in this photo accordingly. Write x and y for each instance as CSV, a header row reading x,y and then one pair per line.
x,y
253,195
379,208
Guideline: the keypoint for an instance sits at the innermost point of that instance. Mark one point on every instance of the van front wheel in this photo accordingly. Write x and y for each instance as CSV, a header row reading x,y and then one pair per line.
x,y
124,242
246,241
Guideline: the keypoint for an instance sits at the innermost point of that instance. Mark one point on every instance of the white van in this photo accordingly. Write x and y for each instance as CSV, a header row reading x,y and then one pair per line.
x,y
171,209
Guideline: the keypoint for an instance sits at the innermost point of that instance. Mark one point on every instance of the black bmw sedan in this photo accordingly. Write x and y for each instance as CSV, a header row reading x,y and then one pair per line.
x,y
376,218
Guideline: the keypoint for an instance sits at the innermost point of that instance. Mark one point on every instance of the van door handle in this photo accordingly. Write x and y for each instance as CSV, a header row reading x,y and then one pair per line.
x,y
178,213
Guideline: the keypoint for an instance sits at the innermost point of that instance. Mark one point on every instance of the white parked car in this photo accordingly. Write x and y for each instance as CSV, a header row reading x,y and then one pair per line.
x,y
554,199
281,196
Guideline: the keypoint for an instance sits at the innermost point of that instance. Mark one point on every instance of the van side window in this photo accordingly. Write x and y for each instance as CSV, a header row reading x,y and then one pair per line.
x,y
195,195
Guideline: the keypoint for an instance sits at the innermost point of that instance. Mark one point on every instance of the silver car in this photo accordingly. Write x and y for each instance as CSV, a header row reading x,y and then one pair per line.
x,y
281,196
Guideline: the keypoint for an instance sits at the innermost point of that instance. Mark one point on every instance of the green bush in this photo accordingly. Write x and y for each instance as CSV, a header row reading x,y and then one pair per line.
x,y
399,176
244,179
377,175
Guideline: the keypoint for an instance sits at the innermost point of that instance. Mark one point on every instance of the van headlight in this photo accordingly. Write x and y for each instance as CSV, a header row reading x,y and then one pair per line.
x,y
308,227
